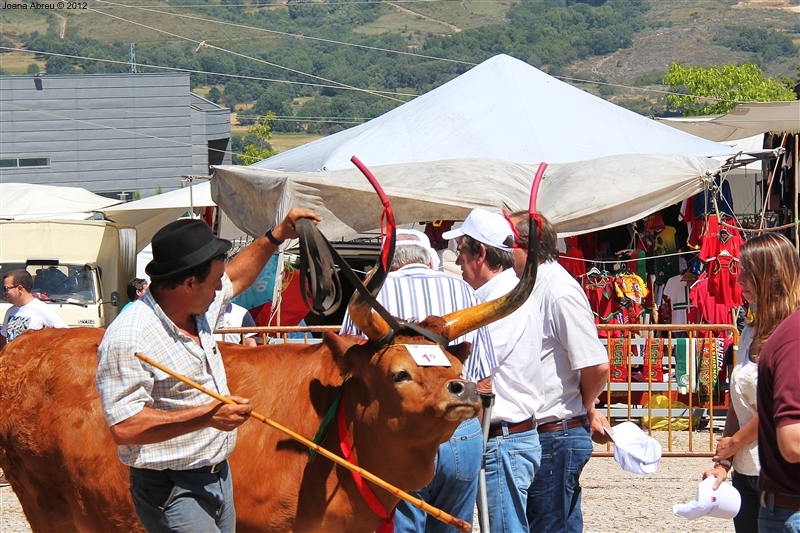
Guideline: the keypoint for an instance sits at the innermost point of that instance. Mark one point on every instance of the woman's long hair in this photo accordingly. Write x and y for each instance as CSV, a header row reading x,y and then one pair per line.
x,y
773,265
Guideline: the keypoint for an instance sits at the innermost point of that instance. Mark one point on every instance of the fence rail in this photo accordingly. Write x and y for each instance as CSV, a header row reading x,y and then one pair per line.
x,y
695,404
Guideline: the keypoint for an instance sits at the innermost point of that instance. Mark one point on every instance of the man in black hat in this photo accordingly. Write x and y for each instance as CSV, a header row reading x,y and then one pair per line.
x,y
175,441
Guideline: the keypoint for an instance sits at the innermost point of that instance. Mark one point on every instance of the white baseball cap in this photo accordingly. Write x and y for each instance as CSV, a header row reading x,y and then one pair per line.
x,y
634,450
487,227
721,503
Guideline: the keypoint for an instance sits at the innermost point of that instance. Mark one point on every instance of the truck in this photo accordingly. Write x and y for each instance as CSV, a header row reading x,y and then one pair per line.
x,y
80,268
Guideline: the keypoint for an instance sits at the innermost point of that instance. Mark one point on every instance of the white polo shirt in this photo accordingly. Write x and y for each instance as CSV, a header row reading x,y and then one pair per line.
x,y
517,340
569,341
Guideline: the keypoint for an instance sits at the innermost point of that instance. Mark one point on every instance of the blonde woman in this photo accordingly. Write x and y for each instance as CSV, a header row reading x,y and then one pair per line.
x,y
769,280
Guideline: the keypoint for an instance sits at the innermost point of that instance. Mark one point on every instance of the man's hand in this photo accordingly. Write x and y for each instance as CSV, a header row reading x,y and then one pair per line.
x,y
718,472
726,448
227,417
599,422
286,230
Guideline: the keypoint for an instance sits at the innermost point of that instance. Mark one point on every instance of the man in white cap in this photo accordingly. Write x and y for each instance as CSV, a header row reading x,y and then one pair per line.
x,y
413,291
575,366
512,453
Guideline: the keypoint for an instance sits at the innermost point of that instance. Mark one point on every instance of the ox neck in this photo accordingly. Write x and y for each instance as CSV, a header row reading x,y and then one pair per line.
x,y
377,505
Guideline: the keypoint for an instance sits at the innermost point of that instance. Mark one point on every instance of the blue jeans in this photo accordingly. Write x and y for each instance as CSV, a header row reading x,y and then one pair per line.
x,y
746,521
778,520
185,502
554,499
454,486
511,462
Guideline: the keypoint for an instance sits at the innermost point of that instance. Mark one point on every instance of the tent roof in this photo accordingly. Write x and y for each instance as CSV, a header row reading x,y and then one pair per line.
x,y
19,201
150,214
744,120
504,109
577,197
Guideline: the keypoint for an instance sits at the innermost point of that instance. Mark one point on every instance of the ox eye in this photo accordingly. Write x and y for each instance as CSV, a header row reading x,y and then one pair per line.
x,y
402,375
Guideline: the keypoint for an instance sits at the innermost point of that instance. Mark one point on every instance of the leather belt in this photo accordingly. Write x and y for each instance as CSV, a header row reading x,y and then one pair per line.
x,y
496,428
211,469
564,425
784,501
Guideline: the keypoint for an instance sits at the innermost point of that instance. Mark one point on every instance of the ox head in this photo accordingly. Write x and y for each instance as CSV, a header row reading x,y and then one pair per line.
x,y
393,390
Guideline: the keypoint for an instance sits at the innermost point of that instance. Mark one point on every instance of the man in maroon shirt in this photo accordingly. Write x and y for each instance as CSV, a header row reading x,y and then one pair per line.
x,y
779,428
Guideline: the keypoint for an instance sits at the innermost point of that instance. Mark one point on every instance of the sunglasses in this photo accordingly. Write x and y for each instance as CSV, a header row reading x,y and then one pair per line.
x,y
6,289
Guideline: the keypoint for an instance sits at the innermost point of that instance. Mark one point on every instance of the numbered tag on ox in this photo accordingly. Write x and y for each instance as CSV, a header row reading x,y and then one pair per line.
x,y
428,355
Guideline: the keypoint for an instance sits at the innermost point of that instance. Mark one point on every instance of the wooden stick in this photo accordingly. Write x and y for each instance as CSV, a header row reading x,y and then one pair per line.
x,y
448,519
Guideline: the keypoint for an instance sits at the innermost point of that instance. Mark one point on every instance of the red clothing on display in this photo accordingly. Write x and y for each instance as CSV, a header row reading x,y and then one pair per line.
x,y
720,253
708,309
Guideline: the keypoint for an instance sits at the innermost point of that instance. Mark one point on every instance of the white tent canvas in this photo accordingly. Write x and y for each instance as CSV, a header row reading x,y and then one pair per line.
x,y
577,197
21,201
503,109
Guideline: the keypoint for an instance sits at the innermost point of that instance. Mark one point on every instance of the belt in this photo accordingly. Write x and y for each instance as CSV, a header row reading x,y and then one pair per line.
x,y
564,425
496,428
784,501
211,469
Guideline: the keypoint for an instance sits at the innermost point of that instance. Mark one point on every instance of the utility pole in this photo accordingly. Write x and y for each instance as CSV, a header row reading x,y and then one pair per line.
x,y
132,60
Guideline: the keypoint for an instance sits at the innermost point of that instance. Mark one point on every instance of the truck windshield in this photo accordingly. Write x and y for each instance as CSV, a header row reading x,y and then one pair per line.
x,y
60,283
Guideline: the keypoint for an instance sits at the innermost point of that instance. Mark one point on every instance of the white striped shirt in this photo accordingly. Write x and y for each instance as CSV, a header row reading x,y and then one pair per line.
x,y
127,385
415,292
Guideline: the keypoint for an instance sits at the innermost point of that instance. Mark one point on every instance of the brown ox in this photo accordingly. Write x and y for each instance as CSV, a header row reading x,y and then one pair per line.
x,y
62,463
58,454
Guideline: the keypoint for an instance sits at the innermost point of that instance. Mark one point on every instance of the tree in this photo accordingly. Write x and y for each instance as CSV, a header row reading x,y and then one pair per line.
x,y
261,149
33,68
715,90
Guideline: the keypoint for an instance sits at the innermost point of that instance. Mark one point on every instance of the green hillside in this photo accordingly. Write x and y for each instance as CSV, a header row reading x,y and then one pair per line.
x,y
297,58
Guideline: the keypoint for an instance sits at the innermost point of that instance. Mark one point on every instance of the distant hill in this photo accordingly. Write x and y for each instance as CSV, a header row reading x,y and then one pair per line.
x,y
626,45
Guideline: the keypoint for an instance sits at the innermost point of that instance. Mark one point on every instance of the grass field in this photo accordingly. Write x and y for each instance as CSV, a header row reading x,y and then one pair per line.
x,y
400,22
286,141
17,62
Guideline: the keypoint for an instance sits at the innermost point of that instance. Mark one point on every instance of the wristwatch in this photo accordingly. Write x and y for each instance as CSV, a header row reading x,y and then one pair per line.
x,y
271,237
727,464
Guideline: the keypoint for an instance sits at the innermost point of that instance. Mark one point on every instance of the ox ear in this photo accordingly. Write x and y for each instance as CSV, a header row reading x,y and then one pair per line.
x,y
460,351
341,347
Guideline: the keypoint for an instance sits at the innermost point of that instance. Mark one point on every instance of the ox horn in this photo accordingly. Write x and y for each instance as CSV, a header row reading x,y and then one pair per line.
x,y
361,308
472,318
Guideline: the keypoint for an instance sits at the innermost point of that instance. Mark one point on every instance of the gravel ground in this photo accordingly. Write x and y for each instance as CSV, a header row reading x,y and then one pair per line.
x,y
613,500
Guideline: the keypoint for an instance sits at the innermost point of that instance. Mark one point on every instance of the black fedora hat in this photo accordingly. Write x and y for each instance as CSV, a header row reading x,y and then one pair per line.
x,y
181,245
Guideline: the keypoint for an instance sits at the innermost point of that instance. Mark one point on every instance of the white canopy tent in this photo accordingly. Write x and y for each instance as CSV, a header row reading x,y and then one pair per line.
x,y
503,109
150,214
577,197
744,120
476,141
25,201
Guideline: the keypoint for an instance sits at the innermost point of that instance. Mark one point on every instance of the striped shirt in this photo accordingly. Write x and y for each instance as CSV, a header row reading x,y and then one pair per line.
x,y
127,385
415,292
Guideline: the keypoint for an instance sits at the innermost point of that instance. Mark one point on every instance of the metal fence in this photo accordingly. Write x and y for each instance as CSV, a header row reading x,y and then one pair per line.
x,y
667,378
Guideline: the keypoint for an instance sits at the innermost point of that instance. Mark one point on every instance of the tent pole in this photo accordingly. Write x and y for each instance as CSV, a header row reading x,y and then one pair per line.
x,y
796,216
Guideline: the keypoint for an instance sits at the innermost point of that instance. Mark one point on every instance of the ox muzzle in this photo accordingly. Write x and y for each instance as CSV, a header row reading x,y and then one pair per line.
x,y
464,400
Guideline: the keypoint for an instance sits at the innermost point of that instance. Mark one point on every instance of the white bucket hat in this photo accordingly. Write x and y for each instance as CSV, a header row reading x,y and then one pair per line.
x,y
721,503
486,227
635,452
421,240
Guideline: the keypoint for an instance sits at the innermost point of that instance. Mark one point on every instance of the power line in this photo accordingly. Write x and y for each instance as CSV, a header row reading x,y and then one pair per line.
x,y
141,65
203,43
287,34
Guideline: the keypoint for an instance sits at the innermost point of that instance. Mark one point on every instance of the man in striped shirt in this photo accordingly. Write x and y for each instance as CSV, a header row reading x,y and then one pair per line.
x,y
414,291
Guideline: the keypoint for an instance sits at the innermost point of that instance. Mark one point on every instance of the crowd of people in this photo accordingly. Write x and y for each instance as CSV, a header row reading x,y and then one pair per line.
x,y
544,364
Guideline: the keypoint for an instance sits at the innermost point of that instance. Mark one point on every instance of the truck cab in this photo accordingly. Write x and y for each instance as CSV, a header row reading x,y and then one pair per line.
x,y
80,268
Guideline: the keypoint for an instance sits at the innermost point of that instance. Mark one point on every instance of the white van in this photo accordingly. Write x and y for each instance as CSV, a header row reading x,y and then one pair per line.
x,y
81,268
